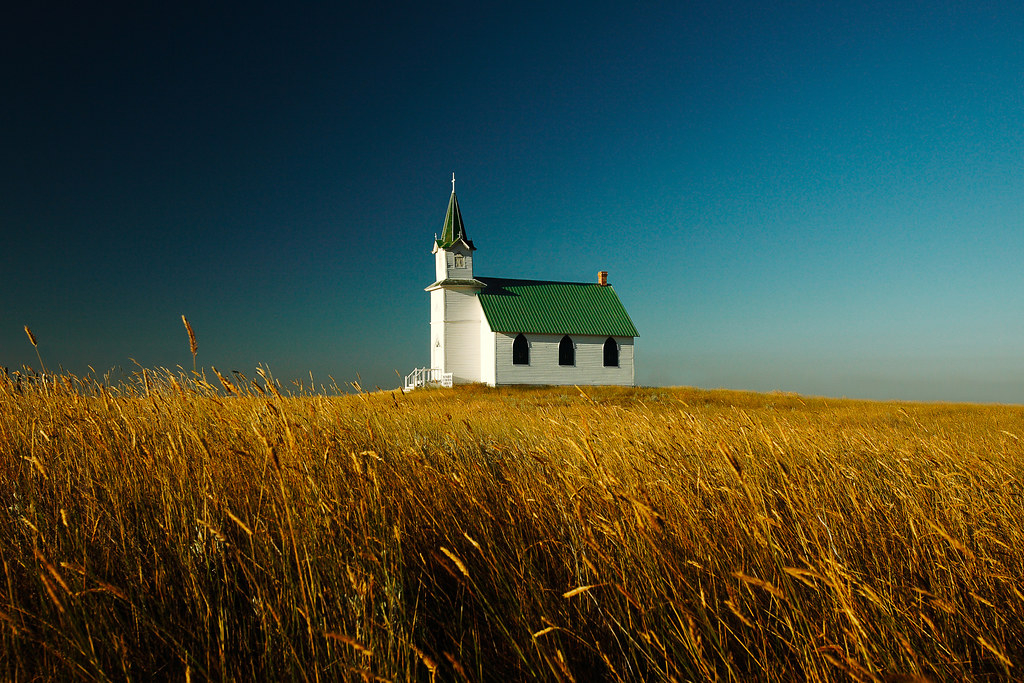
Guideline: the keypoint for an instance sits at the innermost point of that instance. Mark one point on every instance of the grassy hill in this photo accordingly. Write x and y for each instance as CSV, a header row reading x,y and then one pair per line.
x,y
166,529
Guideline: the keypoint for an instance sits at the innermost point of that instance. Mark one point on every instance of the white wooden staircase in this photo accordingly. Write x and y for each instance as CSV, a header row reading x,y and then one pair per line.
x,y
422,377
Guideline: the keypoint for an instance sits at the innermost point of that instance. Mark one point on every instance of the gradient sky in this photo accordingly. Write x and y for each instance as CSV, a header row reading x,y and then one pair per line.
x,y
825,198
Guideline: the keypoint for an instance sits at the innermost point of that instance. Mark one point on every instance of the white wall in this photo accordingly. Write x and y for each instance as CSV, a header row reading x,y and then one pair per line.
x,y
444,263
440,263
466,271
437,328
544,367
488,373
462,316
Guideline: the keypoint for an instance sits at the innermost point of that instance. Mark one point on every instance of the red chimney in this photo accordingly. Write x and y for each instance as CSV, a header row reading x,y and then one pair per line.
x,y
602,278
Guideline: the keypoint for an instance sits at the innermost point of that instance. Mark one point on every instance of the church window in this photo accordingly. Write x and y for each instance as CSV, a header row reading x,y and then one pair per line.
x,y
520,351
460,261
611,353
566,352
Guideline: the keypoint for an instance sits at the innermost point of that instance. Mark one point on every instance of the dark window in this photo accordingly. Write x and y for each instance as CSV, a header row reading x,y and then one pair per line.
x,y
611,353
566,352
520,351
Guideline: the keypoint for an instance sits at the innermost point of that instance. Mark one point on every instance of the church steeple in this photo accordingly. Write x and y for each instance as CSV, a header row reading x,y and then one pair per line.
x,y
455,315
453,230
453,251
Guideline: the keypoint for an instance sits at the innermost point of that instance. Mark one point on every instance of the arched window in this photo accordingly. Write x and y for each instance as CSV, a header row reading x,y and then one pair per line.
x,y
460,261
566,352
611,353
520,351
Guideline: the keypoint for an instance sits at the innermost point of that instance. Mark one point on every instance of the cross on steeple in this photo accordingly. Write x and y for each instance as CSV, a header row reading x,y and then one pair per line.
x,y
453,182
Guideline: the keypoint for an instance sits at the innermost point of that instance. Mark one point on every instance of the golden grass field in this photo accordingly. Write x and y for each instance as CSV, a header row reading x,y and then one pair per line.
x,y
165,529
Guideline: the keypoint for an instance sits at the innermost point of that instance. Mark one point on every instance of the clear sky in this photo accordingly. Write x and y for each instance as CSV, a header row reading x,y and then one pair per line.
x,y
825,198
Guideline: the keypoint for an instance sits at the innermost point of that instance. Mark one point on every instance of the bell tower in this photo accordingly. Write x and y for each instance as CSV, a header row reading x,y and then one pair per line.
x,y
455,313
453,252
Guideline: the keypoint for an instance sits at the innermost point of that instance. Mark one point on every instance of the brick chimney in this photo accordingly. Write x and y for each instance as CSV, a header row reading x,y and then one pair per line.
x,y
602,278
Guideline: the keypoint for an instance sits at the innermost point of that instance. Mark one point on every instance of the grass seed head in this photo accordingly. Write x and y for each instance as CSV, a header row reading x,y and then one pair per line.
x,y
192,345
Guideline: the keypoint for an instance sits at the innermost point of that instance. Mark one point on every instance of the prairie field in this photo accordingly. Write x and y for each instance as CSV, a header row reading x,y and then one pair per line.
x,y
167,528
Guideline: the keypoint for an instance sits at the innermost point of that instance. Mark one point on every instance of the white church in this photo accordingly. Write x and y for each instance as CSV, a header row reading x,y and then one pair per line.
x,y
502,331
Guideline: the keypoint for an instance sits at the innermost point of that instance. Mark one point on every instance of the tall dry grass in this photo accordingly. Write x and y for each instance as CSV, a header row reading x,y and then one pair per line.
x,y
164,529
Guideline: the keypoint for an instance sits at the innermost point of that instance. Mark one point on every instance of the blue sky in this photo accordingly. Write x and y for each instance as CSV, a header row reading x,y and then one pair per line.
x,y
788,196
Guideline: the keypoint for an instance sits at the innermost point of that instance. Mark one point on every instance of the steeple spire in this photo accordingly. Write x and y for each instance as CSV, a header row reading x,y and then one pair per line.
x,y
453,230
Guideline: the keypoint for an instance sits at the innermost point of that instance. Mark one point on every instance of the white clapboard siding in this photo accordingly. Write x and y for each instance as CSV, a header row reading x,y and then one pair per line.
x,y
488,373
544,368
462,315
437,340
444,263
441,264
465,272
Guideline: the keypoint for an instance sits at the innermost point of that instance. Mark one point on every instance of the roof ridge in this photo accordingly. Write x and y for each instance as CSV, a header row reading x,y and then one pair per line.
x,y
542,282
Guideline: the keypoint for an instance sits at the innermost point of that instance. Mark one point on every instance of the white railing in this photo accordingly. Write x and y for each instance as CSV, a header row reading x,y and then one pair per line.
x,y
421,377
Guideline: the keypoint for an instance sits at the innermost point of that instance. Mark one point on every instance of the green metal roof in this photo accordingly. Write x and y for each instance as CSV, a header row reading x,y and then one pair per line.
x,y
542,307
453,229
